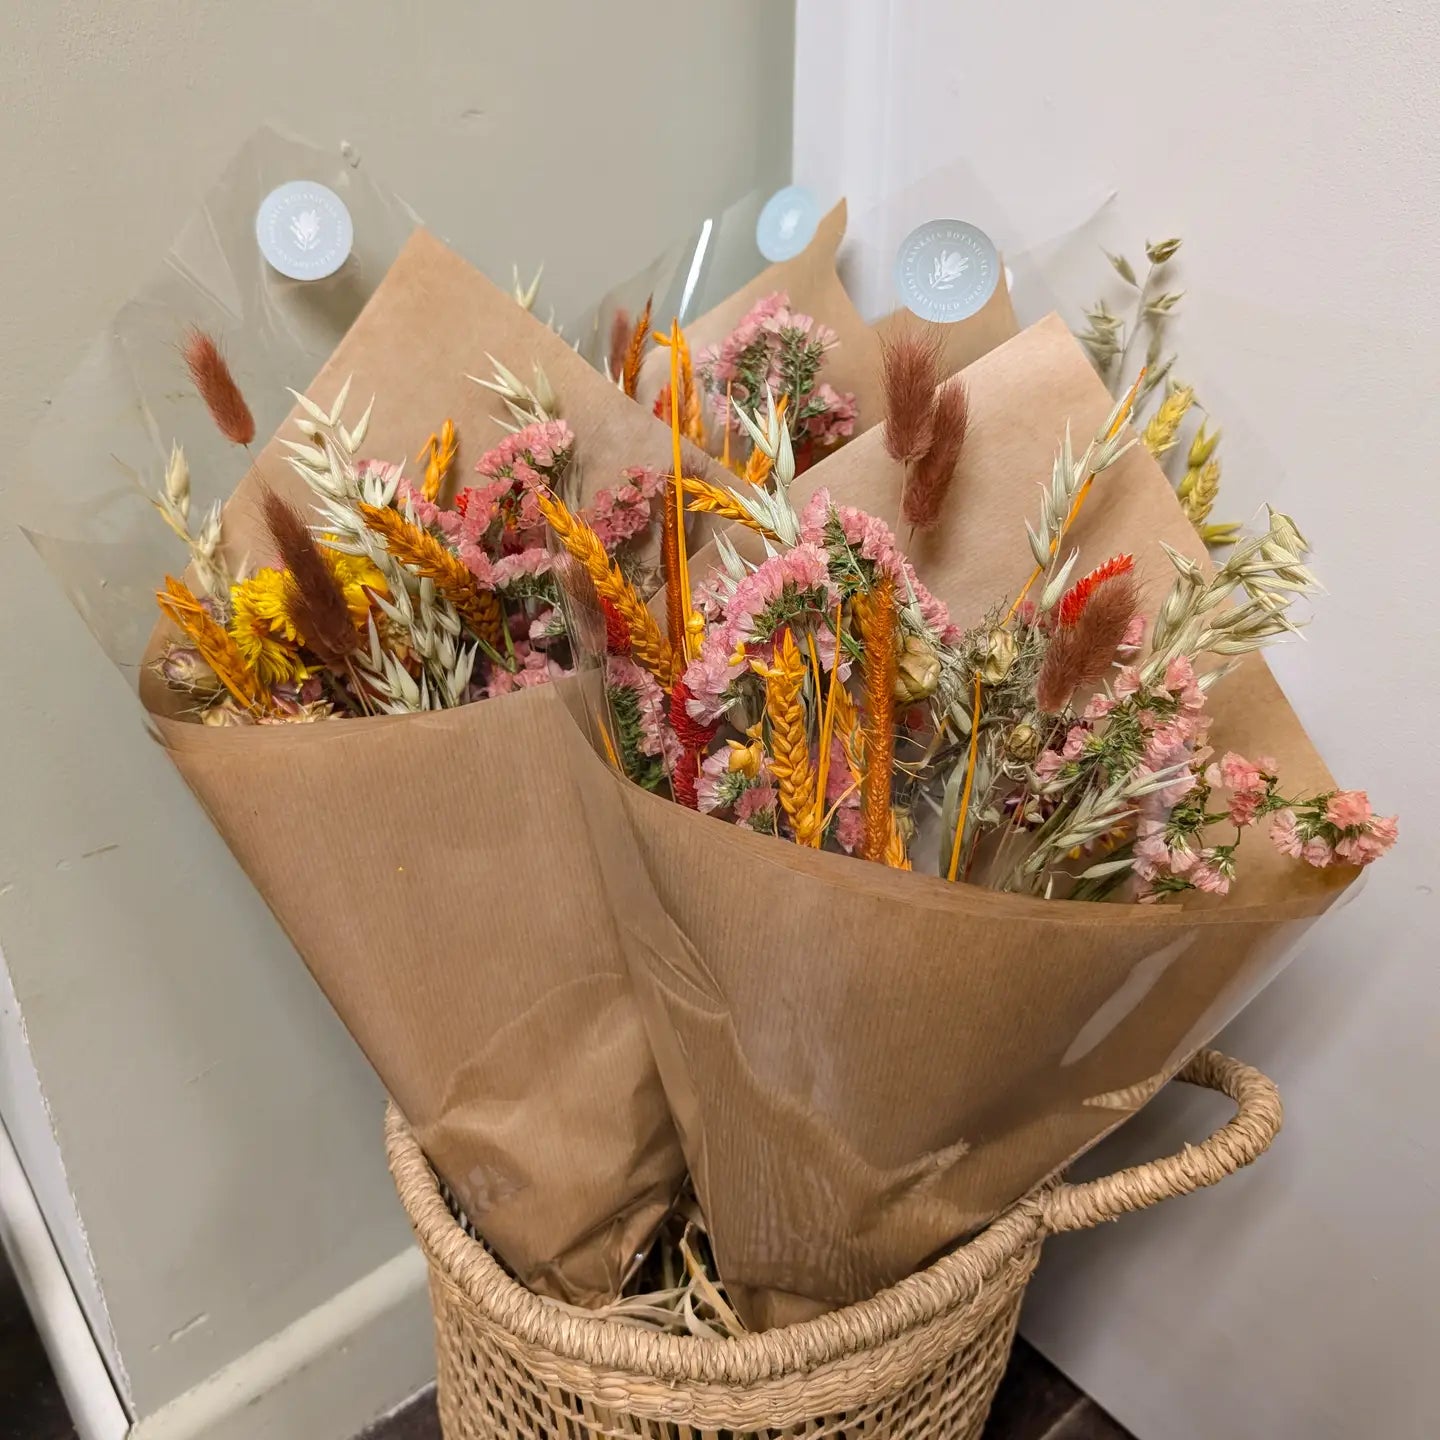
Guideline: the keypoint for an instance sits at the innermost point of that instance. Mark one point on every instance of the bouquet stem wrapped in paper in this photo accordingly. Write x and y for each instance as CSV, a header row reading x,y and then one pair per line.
x,y
866,1064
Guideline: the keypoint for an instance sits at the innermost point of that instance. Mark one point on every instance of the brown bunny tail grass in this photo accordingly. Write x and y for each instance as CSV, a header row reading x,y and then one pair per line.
x,y
910,372
217,649
316,601
930,478
422,553
648,647
619,344
875,612
1080,654
789,741
215,382
635,352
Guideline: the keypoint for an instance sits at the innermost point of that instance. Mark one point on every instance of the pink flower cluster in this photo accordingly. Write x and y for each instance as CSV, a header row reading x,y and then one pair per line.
x,y
828,416
502,517
1334,829
872,539
780,349
793,582
622,513
535,667
656,736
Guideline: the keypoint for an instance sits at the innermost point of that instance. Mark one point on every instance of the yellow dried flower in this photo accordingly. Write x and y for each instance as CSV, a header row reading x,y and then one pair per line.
x,y
261,627
1164,427
917,674
355,575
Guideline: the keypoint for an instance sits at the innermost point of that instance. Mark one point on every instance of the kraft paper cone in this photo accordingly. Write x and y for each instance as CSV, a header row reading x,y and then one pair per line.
x,y
866,1065
435,871
814,287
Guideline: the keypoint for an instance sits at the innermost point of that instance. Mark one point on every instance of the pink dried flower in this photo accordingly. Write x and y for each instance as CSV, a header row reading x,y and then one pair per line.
x,y
1285,834
757,804
619,514
1127,682
1317,851
1134,634
1371,843
1347,808
1208,877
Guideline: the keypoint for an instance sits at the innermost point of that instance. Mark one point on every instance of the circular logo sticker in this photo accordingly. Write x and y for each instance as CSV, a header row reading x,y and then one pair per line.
x,y
304,230
787,224
946,270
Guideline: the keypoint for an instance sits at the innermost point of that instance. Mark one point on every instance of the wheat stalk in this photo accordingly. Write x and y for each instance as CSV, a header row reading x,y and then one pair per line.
x,y
635,352
217,649
438,454
647,645
1160,434
789,742
430,560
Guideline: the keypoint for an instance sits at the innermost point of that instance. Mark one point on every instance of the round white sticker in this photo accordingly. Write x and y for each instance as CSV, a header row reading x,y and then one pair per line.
x,y
304,230
787,224
946,270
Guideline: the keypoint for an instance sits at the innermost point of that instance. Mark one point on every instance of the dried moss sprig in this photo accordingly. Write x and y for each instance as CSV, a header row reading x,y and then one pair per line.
x,y
647,645
784,680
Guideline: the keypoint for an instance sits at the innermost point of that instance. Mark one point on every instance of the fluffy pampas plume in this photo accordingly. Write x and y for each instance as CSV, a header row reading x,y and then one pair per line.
x,y
928,482
911,374
317,602
216,385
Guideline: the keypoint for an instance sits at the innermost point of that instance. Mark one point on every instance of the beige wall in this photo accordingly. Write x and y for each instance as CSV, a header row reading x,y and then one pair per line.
x,y
218,1130
1293,145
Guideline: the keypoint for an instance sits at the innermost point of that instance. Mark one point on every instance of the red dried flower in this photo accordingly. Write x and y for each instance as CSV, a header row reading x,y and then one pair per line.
x,y
617,629
1077,597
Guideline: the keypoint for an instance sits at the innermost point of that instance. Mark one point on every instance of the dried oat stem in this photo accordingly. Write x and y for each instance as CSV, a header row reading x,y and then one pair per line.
x,y
430,560
954,866
647,645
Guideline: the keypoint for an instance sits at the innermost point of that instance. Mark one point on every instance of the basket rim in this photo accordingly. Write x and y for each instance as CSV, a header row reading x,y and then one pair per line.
x,y
955,1280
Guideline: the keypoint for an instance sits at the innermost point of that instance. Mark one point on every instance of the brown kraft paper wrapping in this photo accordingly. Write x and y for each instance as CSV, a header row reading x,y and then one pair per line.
x,y
814,287
866,1065
435,871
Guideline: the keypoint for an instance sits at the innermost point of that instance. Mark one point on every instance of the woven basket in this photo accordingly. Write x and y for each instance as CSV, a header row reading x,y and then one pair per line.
x,y
921,1359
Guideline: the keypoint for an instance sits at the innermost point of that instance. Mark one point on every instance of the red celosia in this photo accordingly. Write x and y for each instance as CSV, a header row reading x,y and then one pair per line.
x,y
694,737
1077,597
617,629
661,408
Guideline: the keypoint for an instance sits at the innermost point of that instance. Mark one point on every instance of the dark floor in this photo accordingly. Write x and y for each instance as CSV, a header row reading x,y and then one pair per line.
x,y
1036,1402
30,1405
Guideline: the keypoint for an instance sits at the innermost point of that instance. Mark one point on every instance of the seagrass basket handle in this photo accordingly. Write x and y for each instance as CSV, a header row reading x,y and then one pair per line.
x,y
1243,1139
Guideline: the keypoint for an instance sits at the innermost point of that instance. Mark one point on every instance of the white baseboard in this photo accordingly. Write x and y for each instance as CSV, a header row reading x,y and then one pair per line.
x,y
79,1369
325,1377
